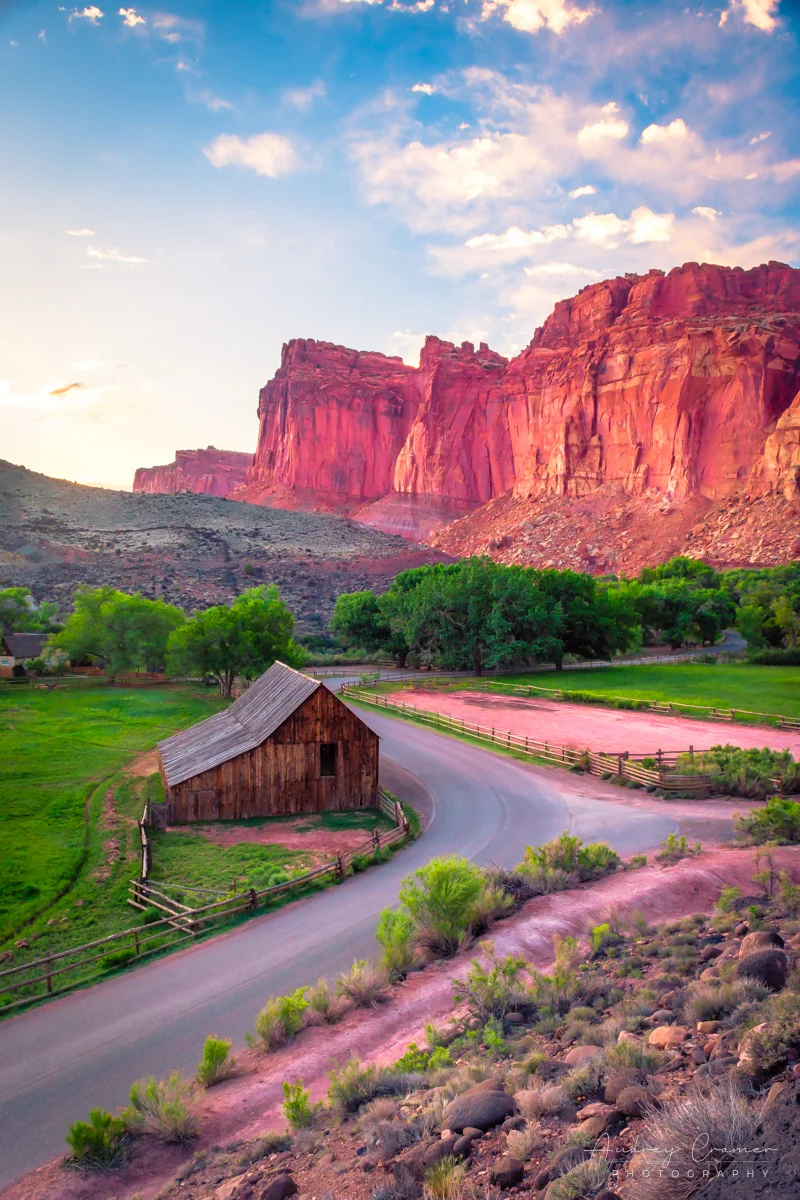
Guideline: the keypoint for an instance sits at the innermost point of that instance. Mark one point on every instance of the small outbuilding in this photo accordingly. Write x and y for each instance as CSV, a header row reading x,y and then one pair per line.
x,y
18,648
288,745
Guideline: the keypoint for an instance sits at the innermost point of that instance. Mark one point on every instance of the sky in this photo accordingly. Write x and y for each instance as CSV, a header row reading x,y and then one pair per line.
x,y
186,188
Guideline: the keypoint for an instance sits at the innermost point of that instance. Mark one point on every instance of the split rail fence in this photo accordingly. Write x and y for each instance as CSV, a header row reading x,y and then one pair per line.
x,y
44,976
618,763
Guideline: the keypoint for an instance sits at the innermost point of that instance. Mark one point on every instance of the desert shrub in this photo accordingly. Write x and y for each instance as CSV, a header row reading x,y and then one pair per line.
x,y
351,1086
297,1107
707,1003
272,1142
726,902
494,990
675,848
543,881
632,1054
540,1099
323,1000
442,899
98,1142
364,985
446,1180
602,937
165,1109
741,772
638,860
522,1143
216,1063
699,1126
395,934
568,854
281,1018
583,1080
579,1135
515,884
583,1180
418,1060
789,894
768,1049
778,821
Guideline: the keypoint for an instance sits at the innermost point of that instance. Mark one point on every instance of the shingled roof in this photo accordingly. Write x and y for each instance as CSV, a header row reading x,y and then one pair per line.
x,y
25,645
246,724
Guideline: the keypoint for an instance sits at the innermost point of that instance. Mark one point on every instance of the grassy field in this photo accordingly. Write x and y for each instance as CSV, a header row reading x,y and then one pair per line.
x,y
70,804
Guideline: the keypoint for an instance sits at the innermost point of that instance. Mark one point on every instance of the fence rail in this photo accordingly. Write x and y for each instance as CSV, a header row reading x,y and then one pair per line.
x,y
619,763
180,923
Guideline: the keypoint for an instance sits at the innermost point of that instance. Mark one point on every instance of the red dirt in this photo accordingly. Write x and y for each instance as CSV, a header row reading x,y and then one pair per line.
x,y
322,844
595,728
247,1106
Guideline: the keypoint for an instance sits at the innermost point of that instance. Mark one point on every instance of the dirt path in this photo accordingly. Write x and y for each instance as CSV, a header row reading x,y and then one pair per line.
x,y
587,727
321,844
247,1106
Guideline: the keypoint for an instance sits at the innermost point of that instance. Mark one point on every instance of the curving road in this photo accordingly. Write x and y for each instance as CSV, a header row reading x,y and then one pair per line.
x,y
84,1050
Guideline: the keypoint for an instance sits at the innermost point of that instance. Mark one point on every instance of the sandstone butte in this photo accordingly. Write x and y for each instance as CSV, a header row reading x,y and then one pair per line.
x,y
214,472
649,415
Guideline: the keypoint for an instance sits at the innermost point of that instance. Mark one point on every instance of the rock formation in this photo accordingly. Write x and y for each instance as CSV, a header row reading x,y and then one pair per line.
x,y
675,388
214,472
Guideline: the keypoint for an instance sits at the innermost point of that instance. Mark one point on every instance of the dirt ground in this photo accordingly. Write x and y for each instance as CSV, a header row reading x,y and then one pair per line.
x,y
604,730
144,764
249,1104
322,844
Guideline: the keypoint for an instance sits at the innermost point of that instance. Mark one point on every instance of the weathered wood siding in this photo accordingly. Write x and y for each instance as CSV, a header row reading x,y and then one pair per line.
x,y
282,775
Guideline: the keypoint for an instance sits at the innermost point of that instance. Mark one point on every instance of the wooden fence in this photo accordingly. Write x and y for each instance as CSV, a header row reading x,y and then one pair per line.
x,y
619,763
41,977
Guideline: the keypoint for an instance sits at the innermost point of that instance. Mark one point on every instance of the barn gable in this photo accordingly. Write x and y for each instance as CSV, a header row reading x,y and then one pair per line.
x,y
294,747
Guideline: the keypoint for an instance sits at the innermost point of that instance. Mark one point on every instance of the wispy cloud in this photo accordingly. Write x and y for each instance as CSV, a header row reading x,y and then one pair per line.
x,y
303,98
269,154
172,28
53,397
131,18
113,257
79,232
586,189
531,16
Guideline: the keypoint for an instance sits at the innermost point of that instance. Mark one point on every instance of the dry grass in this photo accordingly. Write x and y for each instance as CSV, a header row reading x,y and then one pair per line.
x,y
522,1143
364,985
540,1100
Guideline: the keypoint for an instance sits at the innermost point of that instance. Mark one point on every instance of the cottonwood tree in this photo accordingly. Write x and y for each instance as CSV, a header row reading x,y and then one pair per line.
x,y
120,631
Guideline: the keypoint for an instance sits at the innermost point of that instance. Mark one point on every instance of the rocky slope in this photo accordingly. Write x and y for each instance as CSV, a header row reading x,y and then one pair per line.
x,y
192,550
210,471
643,397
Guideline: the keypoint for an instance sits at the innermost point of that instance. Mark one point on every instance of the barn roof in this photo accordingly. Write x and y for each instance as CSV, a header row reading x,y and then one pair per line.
x,y
251,719
25,645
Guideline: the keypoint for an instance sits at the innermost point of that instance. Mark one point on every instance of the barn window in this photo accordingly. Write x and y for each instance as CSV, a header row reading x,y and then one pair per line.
x,y
327,759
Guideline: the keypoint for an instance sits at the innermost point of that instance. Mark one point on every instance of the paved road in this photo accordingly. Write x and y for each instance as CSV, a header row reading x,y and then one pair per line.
x,y
84,1050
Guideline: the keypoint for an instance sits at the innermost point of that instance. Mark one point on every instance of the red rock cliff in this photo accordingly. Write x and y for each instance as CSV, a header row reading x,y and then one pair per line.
x,y
212,471
667,384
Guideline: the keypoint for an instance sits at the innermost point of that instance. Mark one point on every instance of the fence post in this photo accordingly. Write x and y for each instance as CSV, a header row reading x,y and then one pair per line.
x,y
136,939
339,867
691,754
659,762
253,903
376,839
47,972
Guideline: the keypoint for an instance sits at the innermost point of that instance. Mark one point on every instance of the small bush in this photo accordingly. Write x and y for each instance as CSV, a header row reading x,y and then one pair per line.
x,y
583,1180
727,899
98,1142
707,1003
445,1181
216,1063
568,854
540,1100
395,934
675,848
280,1019
351,1086
778,821
789,894
492,991
769,1049
418,1060
632,1054
602,938
165,1109
443,899
323,1000
364,985
297,1107
523,1143
584,1080
638,860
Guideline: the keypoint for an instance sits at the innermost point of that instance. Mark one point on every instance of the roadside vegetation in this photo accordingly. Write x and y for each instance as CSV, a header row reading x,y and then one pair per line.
x,y
640,1036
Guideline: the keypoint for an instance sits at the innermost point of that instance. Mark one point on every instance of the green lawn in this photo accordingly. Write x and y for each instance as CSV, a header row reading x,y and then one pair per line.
x,y
772,690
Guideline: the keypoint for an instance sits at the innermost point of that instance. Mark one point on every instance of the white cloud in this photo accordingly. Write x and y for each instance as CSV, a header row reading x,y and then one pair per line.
x,y
92,14
269,154
599,227
703,210
113,256
407,345
210,101
53,397
642,226
647,226
760,137
426,88
562,270
586,190
303,98
760,13
676,129
172,28
42,35
130,17
530,16
80,232
611,129
515,238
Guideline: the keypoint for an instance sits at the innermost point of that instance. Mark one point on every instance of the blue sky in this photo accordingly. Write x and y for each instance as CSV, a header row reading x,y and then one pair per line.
x,y
187,187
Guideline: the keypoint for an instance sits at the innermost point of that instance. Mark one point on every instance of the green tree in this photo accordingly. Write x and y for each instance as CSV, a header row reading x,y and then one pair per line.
x,y
596,623
123,632
241,639
19,612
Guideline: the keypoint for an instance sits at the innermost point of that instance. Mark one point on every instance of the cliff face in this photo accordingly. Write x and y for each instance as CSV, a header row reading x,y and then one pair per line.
x,y
214,472
678,387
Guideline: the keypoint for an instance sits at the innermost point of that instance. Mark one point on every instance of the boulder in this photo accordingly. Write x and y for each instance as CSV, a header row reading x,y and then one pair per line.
x,y
564,1161
709,1026
779,1169
634,1101
444,1148
596,1109
742,929
770,967
507,1172
463,1147
664,1016
551,1069
761,939
667,1037
710,952
478,1108
625,1077
280,1188
595,1127
578,1056
625,1035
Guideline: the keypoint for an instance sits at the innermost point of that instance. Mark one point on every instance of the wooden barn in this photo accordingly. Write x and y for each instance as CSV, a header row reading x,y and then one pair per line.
x,y
287,745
